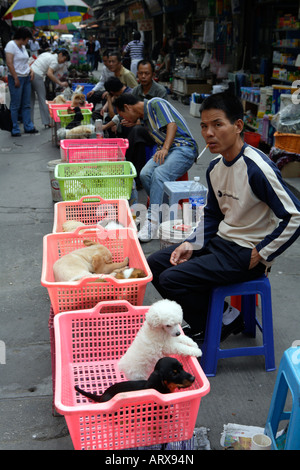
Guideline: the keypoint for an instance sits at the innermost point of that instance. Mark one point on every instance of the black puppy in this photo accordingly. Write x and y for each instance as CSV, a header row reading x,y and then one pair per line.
x,y
77,119
168,375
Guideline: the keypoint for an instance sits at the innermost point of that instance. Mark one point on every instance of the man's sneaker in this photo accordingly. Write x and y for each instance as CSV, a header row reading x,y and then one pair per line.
x,y
147,232
235,327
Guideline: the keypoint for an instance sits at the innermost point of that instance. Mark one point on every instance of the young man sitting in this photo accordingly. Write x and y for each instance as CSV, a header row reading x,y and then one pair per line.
x,y
250,218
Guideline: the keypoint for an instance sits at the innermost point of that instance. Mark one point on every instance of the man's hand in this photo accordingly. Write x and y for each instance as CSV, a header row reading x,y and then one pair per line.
x,y
181,254
255,258
160,155
90,93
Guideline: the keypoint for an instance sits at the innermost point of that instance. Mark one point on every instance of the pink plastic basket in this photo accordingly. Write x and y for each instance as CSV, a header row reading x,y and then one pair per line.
x,y
52,105
90,150
87,292
89,344
92,209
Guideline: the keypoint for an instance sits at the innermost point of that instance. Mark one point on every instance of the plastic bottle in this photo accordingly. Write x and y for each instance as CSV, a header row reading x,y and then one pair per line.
x,y
98,129
196,200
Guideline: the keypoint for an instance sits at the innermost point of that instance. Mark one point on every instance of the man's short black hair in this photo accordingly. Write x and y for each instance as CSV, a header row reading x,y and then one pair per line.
x,y
126,98
113,84
227,102
145,62
116,54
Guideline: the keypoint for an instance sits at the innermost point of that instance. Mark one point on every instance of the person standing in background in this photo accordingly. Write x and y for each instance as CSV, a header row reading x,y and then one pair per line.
x,y
19,81
46,65
44,45
135,49
90,52
34,46
96,54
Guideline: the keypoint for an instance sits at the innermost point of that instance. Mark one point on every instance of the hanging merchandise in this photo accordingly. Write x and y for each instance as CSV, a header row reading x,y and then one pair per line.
x,y
206,60
209,32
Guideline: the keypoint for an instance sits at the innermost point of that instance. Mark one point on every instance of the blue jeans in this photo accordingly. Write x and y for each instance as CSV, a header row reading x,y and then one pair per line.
x,y
20,100
153,175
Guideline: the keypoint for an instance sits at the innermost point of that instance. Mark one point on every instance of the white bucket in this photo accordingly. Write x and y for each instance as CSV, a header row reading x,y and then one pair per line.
x,y
56,194
172,232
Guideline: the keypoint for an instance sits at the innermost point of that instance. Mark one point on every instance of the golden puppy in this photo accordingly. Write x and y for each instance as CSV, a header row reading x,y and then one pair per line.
x,y
59,99
71,225
92,259
78,99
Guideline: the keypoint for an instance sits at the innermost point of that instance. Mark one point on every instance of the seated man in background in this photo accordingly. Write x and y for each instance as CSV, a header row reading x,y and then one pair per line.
x,y
139,138
115,65
114,88
147,87
177,150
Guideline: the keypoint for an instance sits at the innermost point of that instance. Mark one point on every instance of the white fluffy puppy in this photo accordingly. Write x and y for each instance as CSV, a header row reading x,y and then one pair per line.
x,y
159,336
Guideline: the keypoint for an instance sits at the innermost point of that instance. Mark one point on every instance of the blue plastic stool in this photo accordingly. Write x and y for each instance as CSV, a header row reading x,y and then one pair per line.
x,y
150,151
288,378
211,348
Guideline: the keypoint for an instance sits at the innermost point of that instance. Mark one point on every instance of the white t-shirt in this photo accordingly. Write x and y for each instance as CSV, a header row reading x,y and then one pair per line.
x,y
21,58
41,65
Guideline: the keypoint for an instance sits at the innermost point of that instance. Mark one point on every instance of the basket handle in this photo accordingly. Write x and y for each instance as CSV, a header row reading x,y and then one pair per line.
x,y
87,228
116,303
82,200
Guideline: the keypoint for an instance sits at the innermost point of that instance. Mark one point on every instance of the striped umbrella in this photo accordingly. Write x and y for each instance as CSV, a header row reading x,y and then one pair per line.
x,y
46,12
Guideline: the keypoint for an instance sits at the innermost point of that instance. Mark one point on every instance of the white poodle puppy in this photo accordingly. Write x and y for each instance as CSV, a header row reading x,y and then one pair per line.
x,y
159,336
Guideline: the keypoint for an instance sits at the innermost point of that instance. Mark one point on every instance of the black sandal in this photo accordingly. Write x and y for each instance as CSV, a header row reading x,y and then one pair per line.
x,y
48,126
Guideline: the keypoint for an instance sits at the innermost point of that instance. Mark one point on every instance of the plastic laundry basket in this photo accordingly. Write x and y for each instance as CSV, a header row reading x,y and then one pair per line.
x,y
87,292
66,117
110,180
74,150
91,210
88,346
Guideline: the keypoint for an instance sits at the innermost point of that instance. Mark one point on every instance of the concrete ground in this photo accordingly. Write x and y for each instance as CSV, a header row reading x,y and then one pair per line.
x,y
240,392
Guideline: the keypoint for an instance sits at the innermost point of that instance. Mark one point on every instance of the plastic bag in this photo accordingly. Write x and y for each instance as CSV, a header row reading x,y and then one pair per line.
x,y
5,118
288,120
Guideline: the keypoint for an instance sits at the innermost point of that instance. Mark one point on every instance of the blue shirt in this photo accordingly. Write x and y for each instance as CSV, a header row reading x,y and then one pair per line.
x,y
158,113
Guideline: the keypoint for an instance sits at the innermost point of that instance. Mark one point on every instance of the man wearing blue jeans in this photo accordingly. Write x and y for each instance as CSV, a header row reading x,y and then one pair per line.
x,y
175,155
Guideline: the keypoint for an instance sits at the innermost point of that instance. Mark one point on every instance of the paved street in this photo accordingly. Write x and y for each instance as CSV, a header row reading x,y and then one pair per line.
x,y
240,392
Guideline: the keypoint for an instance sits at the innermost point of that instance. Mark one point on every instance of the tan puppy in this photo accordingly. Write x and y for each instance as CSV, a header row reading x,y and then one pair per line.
x,y
71,225
78,99
92,259
59,99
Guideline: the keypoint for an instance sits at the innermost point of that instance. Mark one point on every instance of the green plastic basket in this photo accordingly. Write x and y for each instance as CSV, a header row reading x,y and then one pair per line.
x,y
110,180
66,118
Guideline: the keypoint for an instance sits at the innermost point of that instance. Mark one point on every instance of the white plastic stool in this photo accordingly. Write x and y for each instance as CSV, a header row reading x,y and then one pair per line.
x,y
175,191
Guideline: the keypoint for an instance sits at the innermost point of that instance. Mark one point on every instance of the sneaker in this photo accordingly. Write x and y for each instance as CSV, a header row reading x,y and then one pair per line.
x,y
147,232
235,327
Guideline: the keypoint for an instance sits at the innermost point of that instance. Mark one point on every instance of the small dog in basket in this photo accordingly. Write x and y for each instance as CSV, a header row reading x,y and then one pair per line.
x,y
88,261
72,225
159,336
168,375
78,99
